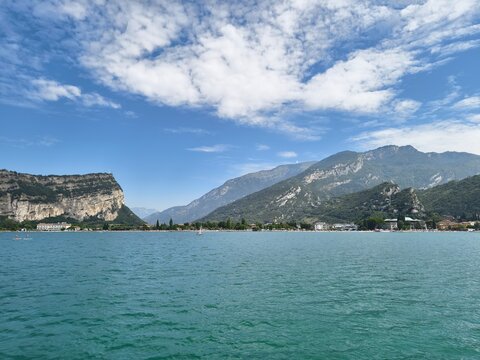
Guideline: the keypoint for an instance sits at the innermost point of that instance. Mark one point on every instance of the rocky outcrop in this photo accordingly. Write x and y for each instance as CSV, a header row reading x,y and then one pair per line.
x,y
35,197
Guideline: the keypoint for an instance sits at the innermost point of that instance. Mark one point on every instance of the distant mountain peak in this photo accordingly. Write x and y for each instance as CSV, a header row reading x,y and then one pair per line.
x,y
392,167
228,192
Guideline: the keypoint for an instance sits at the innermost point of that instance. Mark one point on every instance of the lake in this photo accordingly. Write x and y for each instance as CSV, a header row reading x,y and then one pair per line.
x,y
240,295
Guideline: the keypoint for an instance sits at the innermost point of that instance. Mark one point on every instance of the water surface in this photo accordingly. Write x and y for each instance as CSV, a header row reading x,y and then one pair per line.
x,y
240,296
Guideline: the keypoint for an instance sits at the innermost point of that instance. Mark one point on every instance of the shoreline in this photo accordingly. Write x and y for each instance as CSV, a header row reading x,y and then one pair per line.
x,y
234,231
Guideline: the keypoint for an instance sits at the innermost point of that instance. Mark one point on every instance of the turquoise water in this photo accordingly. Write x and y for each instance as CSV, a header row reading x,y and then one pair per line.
x,y
240,296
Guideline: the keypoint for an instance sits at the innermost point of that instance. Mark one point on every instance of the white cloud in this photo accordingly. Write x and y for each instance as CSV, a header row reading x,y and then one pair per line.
x,y
43,141
449,135
131,114
187,130
244,63
250,66
454,48
472,102
474,118
406,107
240,69
50,90
95,99
360,83
287,154
451,96
262,147
211,149
247,168
433,12
75,9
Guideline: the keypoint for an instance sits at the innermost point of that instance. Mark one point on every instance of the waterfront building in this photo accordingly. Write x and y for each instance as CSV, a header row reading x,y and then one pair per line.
x,y
53,226
321,226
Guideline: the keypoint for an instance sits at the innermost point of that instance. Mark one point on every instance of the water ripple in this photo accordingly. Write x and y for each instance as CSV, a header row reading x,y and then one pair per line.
x,y
240,295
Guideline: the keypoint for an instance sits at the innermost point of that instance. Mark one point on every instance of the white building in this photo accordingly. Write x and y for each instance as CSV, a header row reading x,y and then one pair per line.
x,y
321,226
392,223
53,226
344,227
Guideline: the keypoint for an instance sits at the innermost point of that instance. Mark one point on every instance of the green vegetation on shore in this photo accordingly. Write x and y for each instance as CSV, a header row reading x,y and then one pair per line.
x,y
126,220
367,224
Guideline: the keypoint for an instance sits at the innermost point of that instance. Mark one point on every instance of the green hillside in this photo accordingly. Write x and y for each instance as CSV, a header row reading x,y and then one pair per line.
x,y
300,197
456,198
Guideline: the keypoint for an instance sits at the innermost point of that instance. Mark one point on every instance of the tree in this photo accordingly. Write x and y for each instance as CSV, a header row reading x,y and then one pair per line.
x,y
170,223
401,222
105,226
306,226
371,223
157,225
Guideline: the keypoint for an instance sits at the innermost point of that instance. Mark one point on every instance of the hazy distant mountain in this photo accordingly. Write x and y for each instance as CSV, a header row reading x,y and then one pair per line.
x,y
142,212
230,191
348,172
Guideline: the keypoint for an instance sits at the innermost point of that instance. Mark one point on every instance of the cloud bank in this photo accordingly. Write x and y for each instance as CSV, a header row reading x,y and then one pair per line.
x,y
253,67
249,64
440,136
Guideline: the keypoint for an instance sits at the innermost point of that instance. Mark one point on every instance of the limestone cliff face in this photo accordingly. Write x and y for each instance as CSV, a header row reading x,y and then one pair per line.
x,y
34,197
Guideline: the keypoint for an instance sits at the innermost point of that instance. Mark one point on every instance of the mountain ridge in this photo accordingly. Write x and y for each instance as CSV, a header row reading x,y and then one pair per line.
x,y
229,191
345,173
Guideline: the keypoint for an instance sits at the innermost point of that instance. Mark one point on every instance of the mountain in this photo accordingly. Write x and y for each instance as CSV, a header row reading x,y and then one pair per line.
x,y
345,173
142,212
456,198
386,199
228,192
91,197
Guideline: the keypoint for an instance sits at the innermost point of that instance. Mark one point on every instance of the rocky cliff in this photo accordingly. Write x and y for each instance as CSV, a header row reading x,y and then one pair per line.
x,y
81,197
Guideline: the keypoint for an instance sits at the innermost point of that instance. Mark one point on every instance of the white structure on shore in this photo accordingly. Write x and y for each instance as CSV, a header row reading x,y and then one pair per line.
x,y
344,227
53,226
321,226
392,224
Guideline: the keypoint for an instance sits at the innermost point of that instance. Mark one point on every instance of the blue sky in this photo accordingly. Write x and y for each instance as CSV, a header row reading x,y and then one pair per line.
x,y
175,98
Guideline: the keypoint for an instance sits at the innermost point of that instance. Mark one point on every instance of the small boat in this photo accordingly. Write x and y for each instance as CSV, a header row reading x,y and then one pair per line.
x,y
200,231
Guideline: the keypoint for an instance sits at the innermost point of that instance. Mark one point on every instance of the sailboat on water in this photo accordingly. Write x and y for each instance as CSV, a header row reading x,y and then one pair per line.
x,y
200,231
